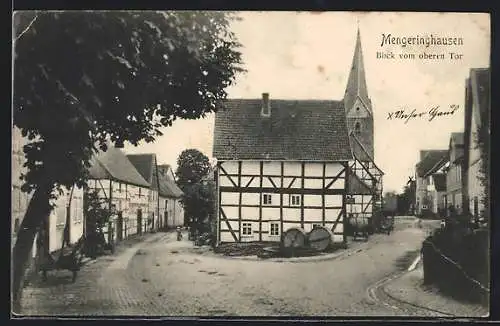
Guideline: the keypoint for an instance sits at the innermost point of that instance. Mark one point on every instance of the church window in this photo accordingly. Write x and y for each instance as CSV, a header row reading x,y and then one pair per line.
x,y
357,109
357,127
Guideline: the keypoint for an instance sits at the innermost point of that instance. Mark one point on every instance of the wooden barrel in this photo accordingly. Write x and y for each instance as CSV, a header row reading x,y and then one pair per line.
x,y
320,238
294,238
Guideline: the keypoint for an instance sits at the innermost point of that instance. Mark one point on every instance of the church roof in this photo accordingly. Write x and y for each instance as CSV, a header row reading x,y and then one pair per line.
x,y
356,84
309,130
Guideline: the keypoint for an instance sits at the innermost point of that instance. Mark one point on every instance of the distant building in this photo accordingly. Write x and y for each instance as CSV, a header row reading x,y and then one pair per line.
x,y
455,171
147,167
431,182
477,114
170,199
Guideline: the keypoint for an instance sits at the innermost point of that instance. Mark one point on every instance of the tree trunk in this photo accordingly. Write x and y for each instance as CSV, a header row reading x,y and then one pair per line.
x,y
38,209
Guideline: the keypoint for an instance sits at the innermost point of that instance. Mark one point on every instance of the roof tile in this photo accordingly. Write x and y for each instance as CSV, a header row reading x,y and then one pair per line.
x,y
297,130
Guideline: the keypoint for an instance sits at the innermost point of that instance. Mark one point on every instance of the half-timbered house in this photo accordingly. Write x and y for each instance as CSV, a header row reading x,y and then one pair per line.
x,y
124,190
147,167
170,199
295,163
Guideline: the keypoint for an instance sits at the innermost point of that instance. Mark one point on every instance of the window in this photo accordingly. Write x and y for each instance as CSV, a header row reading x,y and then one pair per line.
x,y
246,229
316,225
267,199
295,200
17,224
357,127
119,187
139,192
275,229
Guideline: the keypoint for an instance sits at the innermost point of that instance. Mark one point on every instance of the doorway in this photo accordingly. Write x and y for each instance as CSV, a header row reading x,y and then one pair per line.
x,y
139,221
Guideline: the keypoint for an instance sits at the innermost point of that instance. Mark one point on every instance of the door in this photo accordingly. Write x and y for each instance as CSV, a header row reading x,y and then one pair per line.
x,y
139,221
119,227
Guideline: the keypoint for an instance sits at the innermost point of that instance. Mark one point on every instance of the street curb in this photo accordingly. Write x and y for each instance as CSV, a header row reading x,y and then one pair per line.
x,y
398,298
323,257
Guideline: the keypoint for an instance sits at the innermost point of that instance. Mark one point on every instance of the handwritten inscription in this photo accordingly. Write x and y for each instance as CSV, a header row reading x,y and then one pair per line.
x,y
429,115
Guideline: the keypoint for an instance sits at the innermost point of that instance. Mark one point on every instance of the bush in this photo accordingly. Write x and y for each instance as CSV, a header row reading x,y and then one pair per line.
x,y
456,261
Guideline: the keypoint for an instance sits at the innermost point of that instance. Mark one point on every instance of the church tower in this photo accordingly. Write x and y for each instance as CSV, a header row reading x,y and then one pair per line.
x,y
357,104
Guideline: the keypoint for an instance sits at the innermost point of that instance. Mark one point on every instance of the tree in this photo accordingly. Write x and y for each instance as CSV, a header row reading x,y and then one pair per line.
x,y
97,216
192,170
198,202
405,201
82,79
192,167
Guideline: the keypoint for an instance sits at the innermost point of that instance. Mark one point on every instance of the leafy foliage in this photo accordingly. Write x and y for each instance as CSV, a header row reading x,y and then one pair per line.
x,y
113,75
85,79
199,193
96,212
97,216
483,141
405,201
192,167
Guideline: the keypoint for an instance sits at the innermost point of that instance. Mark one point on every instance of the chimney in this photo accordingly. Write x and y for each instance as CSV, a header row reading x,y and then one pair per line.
x,y
266,106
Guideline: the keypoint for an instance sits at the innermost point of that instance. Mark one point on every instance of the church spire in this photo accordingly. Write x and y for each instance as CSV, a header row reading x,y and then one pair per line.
x,y
356,84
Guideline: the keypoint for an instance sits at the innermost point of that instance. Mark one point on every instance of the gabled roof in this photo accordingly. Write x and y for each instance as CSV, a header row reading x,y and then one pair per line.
x,y
296,130
144,164
440,181
439,164
430,158
356,186
114,164
360,151
168,187
356,84
165,168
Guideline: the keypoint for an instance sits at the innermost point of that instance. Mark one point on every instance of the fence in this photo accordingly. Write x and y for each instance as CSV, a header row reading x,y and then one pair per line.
x,y
457,262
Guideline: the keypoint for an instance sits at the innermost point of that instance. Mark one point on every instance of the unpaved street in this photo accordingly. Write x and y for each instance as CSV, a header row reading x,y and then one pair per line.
x,y
164,277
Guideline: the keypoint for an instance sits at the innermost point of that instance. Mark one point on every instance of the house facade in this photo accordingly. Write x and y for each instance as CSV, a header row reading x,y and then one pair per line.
x,y
67,213
477,113
171,209
124,191
147,167
295,163
430,180
455,171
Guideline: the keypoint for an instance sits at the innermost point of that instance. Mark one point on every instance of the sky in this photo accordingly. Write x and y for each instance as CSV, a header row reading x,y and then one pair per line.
x,y
304,55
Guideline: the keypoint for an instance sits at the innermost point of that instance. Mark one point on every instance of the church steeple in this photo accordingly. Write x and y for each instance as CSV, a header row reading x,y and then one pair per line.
x,y
356,90
358,106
